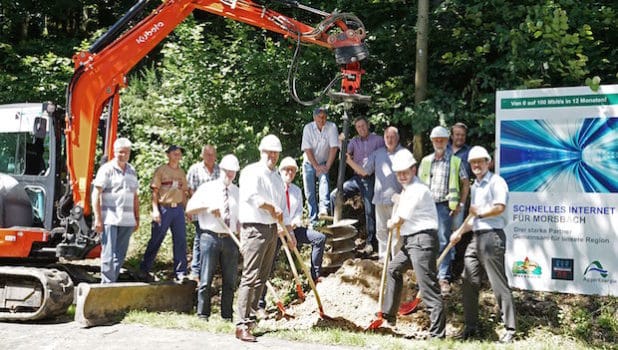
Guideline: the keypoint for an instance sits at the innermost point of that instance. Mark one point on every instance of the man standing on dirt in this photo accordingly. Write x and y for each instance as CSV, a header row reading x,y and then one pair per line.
x,y
416,219
169,195
360,148
486,249
458,146
448,181
199,173
215,202
386,185
319,145
262,199
115,206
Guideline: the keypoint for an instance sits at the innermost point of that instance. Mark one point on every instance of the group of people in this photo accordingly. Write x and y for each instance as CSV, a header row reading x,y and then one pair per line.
x,y
423,209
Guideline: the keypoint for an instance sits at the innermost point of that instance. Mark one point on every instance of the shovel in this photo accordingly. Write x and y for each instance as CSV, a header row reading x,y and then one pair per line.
x,y
269,286
299,286
375,324
409,306
306,272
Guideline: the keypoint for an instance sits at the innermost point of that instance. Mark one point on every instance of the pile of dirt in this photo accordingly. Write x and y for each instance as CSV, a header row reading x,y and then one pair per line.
x,y
350,299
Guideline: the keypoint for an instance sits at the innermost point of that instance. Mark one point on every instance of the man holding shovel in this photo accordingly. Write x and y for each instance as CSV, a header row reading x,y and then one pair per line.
x,y
486,249
417,220
217,201
262,199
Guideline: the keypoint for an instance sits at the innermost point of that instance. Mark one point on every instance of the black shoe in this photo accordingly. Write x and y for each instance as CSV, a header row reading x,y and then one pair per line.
x,y
508,336
467,334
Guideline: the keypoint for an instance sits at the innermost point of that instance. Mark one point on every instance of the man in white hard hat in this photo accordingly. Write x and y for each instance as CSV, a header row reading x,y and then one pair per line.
x,y
417,220
319,145
215,202
486,249
262,199
449,185
203,171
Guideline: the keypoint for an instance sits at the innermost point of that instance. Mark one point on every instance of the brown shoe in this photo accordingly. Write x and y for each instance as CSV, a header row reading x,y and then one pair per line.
x,y
245,335
445,287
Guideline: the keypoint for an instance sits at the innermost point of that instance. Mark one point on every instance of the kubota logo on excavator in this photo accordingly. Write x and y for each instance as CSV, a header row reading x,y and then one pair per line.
x,y
149,33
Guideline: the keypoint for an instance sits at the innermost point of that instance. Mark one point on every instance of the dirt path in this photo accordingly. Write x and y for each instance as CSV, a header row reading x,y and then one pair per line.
x,y
68,336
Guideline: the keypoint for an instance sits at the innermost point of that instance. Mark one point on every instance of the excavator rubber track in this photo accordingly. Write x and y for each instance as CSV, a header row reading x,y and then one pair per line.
x,y
28,293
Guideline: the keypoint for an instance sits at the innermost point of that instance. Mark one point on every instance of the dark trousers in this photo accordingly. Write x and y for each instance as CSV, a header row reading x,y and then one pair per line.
x,y
217,250
486,251
174,219
419,251
303,236
258,242
364,186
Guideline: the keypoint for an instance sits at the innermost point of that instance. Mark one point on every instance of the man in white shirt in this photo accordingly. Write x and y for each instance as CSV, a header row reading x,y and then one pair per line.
x,y
203,171
319,144
417,219
215,202
262,199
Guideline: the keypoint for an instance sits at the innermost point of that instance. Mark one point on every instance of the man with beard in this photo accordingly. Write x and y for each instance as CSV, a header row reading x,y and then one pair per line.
x,y
262,199
449,185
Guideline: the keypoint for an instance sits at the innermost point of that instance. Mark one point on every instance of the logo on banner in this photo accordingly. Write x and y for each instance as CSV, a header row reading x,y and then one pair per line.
x,y
562,269
527,268
595,269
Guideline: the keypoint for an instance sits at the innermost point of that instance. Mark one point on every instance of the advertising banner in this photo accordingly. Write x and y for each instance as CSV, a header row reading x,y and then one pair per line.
x,y
558,151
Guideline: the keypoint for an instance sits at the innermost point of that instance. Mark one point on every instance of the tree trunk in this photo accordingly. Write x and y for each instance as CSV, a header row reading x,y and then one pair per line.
x,y
420,80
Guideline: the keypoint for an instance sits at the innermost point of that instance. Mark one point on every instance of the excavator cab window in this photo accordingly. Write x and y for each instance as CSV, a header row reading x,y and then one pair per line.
x,y
13,152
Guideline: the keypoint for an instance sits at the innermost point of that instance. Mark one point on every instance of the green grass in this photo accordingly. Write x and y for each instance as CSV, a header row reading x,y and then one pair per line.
x,y
543,338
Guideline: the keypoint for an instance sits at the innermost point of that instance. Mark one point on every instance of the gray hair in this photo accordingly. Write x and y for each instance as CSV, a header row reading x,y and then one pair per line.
x,y
122,142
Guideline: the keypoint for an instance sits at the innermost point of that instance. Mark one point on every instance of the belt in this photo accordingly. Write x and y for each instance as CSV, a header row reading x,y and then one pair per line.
x,y
217,234
169,205
429,231
250,224
480,232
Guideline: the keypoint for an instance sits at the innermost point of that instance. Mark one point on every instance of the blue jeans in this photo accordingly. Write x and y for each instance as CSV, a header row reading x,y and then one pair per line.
x,y
444,237
317,241
309,180
114,245
364,186
222,251
196,259
173,218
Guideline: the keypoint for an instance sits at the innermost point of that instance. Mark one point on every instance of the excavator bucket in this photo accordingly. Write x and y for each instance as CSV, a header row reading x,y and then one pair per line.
x,y
99,304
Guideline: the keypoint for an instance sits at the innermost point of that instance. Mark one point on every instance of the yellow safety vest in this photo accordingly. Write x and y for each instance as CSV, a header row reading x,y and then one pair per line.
x,y
453,178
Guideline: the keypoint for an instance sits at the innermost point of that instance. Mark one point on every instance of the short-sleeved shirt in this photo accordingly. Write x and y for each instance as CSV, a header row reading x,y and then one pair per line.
x,y
198,174
386,184
417,208
361,149
320,142
172,184
490,190
118,191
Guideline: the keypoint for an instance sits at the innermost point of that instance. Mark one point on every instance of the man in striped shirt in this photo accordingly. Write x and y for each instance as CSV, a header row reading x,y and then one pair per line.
x,y
116,209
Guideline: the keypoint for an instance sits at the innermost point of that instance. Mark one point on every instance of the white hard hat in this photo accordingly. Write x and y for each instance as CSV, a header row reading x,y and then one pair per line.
x,y
438,131
288,162
229,162
403,160
478,152
270,143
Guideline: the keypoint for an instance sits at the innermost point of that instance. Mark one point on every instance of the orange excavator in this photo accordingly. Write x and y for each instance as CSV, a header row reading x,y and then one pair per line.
x,y
47,155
